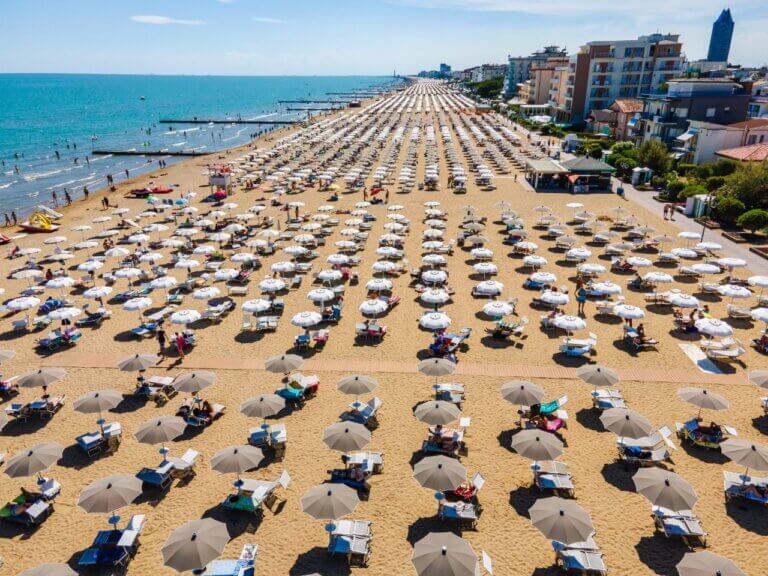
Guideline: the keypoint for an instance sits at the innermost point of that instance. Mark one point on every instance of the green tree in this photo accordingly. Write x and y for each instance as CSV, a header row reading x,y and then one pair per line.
x,y
622,148
624,166
753,220
692,190
724,167
655,156
728,209
673,189
715,183
750,185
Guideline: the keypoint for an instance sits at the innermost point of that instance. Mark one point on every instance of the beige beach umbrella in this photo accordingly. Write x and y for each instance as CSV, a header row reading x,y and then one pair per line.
x,y
195,544
108,494
237,459
537,445
49,570
522,393
759,378
41,378
346,436
626,423
436,367
283,363
664,488
746,453
443,554
598,375
138,362
357,384
263,406
707,564
329,501
703,398
437,412
31,461
194,382
439,473
160,430
6,355
561,520
97,402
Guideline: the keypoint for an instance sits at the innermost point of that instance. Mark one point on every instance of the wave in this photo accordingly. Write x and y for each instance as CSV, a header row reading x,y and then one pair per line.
x,y
39,175
8,185
179,143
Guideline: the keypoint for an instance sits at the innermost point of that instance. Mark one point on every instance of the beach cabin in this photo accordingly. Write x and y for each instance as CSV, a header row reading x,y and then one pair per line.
x,y
545,174
588,175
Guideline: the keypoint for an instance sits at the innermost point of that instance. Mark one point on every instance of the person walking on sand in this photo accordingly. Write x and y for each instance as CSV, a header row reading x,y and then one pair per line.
x,y
180,344
7,220
161,338
67,197
85,192
55,199
13,217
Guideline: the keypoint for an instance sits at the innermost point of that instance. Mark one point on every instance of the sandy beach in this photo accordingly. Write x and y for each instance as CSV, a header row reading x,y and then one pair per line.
x,y
291,542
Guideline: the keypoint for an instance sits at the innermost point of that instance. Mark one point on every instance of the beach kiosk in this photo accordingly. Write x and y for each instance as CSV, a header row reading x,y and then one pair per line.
x,y
588,175
545,174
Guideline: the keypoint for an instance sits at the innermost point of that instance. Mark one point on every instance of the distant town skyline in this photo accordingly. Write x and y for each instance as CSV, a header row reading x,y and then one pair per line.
x,y
249,37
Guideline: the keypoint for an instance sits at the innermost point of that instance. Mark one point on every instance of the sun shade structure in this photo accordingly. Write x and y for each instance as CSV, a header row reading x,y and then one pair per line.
x,y
664,488
283,363
346,436
561,520
193,545
437,412
537,445
439,473
626,423
329,501
707,564
31,461
109,494
444,553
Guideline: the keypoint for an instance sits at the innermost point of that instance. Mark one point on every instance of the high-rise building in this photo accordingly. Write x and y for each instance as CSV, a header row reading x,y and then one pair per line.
x,y
720,41
519,67
445,70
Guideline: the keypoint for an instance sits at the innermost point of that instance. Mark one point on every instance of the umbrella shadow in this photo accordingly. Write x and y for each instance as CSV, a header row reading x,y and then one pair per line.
x,y
126,336
661,554
316,560
760,423
505,438
74,457
704,454
13,334
12,531
129,403
237,523
570,361
523,497
622,344
619,475
685,336
590,419
661,310
249,337
749,515
424,526
498,343
608,319
20,428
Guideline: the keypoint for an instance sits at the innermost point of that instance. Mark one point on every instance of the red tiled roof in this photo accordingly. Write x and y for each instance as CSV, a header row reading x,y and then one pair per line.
x,y
629,105
753,153
752,123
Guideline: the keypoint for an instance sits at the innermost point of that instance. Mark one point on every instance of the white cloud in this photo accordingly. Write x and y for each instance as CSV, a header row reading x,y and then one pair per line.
x,y
265,20
160,20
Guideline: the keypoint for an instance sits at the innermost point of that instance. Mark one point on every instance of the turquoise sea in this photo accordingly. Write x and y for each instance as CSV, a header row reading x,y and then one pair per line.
x,y
73,114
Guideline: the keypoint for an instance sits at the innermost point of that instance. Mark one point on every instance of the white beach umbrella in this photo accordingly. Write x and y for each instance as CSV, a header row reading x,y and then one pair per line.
x,y
658,278
485,268
337,259
704,268
606,288
498,309
185,317
535,261
434,276
206,293
22,303
569,323
435,296
591,268
580,253
373,307
628,312
321,295
151,257
306,319
543,278
639,262
116,252
283,267
271,285
97,292
225,274
256,306
378,285
683,301
204,249
64,313
554,298
60,282
186,264
734,291
435,321
713,327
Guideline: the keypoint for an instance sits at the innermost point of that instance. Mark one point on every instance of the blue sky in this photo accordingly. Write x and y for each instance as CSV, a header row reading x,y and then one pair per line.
x,y
340,36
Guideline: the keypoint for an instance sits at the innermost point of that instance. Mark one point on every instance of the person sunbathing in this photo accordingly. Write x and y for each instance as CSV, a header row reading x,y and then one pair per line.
x,y
711,433
755,491
641,336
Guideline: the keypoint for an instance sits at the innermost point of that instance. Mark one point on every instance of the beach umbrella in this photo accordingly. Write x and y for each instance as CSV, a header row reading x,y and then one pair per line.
x,y
434,276
498,309
569,323
731,263
527,246
271,285
759,281
554,298
64,313
321,295
357,384
534,261
172,243
34,460
346,436
443,554
734,291
242,257
60,283
713,327
606,288
683,301
283,363
434,296
707,564
437,412
435,321
195,544
194,382
204,250
579,253
27,274
106,495
378,285
186,264
522,393
489,288
373,307
49,570
329,501
639,262
263,406
626,423
97,402
746,453
561,520
537,445
598,375
164,282
226,274
658,278
22,303
97,292
703,398
236,459
206,293
440,473
436,367
759,378
185,317
543,277
41,378
439,260
664,488
628,312
137,304
306,319
690,254
256,306
90,265
160,430
137,238
138,362
381,266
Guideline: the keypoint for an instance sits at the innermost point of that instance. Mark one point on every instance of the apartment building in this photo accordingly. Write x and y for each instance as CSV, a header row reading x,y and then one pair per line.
x,y
519,68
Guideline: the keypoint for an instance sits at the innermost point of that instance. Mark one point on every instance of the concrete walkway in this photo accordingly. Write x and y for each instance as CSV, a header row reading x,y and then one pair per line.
x,y
75,359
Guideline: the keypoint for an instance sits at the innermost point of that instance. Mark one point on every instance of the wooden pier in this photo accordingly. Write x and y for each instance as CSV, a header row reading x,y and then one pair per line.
x,y
214,121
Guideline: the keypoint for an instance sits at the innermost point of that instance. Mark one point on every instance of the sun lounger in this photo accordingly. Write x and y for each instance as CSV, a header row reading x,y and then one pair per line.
x,y
351,538
553,476
580,557
579,346
752,488
252,496
157,478
679,523
370,330
606,399
450,392
195,416
692,431
267,323
464,514
114,547
274,437
243,566
365,414
237,290
728,355
219,311
370,462
32,508
450,444
184,467
649,450
105,440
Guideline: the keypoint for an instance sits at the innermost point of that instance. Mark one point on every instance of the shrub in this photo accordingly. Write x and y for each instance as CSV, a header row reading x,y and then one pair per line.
x,y
622,147
750,185
655,156
683,168
624,166
702,172
753,220
674,188
715,183
658,182
692,190
724,167
728,209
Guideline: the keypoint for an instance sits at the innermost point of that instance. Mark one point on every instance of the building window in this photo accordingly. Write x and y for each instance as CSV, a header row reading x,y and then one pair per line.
x,y
711,112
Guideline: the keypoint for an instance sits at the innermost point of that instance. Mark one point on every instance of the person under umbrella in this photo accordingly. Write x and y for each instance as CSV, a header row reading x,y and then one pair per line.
x,y
522,393
35,460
